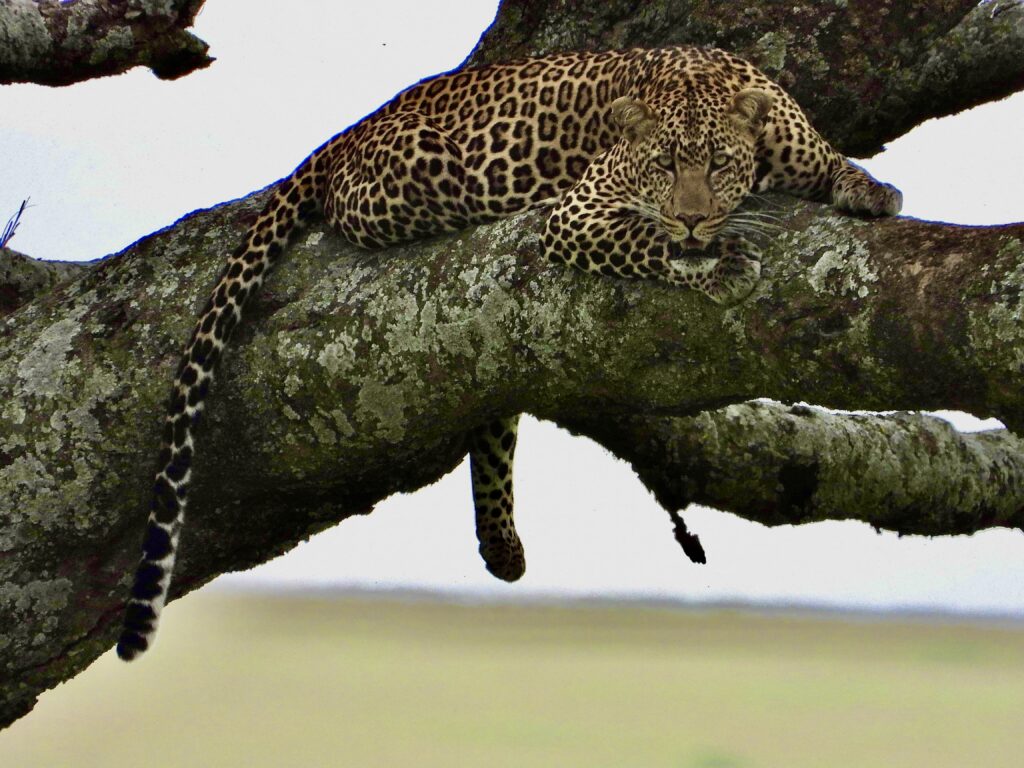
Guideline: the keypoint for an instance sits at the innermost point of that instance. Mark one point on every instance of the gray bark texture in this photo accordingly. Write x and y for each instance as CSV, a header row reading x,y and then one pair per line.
x,y
357,375
51,42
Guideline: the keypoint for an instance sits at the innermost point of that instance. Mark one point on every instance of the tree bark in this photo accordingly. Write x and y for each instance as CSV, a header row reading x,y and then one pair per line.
x,y
50,42
358,374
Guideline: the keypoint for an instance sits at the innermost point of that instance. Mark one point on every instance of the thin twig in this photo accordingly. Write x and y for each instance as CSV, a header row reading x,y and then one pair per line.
x,y
12,224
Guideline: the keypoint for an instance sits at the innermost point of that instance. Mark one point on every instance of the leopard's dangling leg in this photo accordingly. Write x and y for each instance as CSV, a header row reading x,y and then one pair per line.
x,y
492,447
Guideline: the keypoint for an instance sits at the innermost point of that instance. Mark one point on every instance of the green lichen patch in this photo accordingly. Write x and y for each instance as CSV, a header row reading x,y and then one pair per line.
x,y
24,38
843,264
46,368
115,44
382,409
772,48
336,357
34,606
998,327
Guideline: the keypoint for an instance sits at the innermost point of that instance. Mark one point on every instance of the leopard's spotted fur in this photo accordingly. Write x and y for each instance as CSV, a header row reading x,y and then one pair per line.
x,y
647,153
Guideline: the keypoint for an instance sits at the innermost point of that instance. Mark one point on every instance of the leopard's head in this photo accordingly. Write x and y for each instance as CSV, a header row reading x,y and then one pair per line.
x,y
691,162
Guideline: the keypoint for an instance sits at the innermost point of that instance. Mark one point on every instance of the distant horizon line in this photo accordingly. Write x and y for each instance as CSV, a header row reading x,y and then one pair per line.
x,y
639,600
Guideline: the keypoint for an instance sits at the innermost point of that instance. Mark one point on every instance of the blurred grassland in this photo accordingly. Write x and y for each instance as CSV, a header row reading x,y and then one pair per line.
x,y
258,680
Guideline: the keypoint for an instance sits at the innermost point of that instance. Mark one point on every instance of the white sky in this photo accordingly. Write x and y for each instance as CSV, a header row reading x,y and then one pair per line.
x,y
107,162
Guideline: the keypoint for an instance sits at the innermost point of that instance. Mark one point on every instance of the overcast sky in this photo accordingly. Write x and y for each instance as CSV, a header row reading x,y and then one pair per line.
x,y
107,162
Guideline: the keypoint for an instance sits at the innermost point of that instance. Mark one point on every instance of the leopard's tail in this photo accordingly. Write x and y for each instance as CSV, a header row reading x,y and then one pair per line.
x,y
295,198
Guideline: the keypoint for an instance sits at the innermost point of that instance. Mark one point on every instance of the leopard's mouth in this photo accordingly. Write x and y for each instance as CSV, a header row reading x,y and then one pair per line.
x,y
688,247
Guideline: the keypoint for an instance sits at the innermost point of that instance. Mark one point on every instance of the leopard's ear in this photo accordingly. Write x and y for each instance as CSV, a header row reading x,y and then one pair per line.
x,y
749,110
634,118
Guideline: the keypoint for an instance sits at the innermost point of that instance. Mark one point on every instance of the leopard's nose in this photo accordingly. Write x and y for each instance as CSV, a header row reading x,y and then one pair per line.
x,y
691,219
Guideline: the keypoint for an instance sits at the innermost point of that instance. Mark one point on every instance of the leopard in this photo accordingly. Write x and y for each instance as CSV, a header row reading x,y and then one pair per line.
x,y
643,156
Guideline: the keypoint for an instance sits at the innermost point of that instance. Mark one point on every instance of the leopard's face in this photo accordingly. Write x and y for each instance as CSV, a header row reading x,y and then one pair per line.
x,y
690,166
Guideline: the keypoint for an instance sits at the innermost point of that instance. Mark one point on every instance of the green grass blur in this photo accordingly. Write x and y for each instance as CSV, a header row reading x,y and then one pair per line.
x,y
282,681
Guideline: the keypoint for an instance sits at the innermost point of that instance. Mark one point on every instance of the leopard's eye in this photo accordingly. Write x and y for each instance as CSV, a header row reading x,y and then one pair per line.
x,y
664,162
719,160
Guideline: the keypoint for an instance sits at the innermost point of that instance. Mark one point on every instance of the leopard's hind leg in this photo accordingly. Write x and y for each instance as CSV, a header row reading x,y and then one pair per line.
x,y
399,178
492,447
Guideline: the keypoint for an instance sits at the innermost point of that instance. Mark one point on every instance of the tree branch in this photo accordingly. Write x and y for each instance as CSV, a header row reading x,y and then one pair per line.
x,y
59,43
905,472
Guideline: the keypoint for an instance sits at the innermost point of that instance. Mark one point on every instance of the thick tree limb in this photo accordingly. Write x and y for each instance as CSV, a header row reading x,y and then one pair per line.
x,y
58,43
357,375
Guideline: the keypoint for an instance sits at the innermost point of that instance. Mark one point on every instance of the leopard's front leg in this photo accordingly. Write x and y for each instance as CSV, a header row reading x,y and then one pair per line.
x,y
794,158
615,241
857,191
729,275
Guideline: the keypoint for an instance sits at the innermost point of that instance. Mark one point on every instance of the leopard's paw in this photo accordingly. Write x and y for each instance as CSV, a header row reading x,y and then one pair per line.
x,y
736,274
856,191
503,554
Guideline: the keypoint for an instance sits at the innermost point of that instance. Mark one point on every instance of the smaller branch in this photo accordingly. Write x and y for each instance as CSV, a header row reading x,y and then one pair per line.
x,y
778,465
49,42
